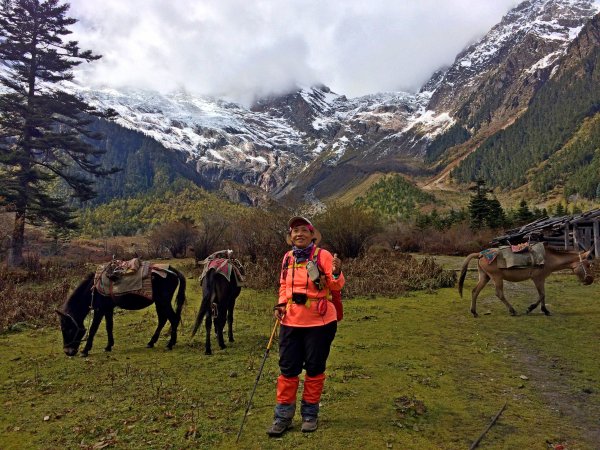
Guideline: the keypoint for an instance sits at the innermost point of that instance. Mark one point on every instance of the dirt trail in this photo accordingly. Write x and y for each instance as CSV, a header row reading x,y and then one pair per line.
x,y
549,377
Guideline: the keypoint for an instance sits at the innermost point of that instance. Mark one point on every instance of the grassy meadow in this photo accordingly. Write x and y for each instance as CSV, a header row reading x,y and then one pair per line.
x,y
416,372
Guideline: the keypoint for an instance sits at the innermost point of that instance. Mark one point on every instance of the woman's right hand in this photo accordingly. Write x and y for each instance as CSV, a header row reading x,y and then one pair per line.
x,y
279,312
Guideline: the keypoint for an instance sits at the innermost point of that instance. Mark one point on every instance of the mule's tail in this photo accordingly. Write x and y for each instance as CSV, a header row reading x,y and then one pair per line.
x,y
180,299
207,292
463,272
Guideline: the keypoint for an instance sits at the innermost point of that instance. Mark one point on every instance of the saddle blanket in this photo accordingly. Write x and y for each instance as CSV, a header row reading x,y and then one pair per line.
x,y
514,256
489,254
118,277
531,256
225,267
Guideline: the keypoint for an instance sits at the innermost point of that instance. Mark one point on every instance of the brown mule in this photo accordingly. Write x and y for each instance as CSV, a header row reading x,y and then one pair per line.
x,y
554,260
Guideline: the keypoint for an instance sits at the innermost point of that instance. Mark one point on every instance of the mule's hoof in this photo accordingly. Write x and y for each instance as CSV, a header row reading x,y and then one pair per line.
x,y
208,352
108,349
475,315
546,312
513,313
149,345
231,340
170,347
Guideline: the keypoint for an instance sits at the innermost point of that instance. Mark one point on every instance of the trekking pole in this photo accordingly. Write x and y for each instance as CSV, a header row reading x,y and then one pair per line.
x,y
262,365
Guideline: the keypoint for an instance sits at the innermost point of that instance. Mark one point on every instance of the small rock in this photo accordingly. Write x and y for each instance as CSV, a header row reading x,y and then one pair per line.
x,y
46,418
524,377
233,374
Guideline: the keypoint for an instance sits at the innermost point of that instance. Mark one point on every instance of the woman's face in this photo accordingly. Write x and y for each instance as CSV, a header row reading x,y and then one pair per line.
x,y
301,236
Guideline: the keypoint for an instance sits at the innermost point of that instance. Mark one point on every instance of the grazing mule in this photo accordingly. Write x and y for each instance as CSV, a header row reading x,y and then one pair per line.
x,y
554,260
86,298
219,293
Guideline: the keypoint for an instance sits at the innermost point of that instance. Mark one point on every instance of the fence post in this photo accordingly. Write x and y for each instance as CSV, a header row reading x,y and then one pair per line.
x,y
597,238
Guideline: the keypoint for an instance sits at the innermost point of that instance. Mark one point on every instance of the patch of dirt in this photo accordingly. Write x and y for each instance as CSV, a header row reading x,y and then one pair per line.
x,y
548,377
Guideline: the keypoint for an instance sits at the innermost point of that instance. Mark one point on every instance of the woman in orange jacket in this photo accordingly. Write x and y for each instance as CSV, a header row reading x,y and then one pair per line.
x,y
308,324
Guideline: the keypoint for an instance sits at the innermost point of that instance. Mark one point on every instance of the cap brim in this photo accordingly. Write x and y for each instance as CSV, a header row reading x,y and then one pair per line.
x,y
299,219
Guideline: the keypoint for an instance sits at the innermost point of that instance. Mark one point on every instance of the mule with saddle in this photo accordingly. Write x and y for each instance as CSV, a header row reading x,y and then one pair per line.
x,y
130,285
221,280
524,262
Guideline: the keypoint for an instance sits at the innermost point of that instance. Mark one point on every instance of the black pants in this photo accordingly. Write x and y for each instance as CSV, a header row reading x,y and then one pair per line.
x,y
305,348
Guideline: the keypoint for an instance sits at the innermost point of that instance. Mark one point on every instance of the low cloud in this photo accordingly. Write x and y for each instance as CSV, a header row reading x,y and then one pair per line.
x,y
239,50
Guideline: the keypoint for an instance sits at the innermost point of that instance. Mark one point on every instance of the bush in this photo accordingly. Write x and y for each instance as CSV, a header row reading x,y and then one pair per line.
x,y
377,273
177,236
458,240
211,236
20,304
258,235
391,274
347,229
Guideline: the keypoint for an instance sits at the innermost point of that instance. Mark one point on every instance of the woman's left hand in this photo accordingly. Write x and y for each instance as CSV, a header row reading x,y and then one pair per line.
x,y
337,265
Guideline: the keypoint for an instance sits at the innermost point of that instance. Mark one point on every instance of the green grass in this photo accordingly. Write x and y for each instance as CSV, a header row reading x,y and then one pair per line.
x,y
407,373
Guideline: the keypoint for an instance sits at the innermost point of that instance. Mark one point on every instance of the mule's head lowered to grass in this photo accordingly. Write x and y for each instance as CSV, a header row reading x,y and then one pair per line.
x,y
72,333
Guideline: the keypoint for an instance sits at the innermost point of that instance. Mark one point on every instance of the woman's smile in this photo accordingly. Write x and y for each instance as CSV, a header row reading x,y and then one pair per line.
x,y
301,236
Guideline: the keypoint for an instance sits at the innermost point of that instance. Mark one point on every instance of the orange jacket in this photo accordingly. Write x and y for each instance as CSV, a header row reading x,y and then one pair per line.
x,y
307,315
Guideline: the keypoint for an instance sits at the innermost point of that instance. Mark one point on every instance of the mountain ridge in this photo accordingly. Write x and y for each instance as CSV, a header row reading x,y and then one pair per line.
x,y
313,143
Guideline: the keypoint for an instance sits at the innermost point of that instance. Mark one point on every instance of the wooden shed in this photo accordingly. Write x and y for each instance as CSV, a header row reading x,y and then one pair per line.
x,y
573,232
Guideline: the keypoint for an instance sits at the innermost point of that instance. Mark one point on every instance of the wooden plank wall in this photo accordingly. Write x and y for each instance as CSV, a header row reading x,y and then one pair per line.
x,y
596,238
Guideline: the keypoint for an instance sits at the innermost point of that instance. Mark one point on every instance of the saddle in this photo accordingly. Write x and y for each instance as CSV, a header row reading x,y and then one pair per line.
x,y
224,264
522,255
119,277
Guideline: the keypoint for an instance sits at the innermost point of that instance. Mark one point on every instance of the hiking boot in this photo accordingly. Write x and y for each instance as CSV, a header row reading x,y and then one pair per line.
x,y
309,424
279,427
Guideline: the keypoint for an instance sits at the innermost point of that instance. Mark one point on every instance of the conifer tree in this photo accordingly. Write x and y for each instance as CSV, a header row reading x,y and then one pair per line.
x,y
43,129
495,217
478,206
524,215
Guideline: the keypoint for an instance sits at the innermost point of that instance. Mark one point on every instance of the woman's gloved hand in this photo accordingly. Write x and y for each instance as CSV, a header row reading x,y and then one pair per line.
x,y
337,265
279,311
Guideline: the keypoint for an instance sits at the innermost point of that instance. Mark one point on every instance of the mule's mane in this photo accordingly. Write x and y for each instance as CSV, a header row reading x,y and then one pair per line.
x,y
79,290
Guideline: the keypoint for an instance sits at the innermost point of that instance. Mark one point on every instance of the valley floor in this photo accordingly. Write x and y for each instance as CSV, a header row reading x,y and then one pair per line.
x,y
416,372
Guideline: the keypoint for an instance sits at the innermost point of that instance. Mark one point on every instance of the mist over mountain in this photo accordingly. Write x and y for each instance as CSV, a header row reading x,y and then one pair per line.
x,y
313,144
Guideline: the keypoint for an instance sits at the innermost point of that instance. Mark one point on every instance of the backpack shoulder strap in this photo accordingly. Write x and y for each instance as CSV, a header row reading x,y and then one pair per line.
x,y
286,263
316,259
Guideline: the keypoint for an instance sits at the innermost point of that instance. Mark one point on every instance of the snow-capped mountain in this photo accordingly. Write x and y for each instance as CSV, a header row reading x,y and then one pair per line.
x,y
314,143
529,39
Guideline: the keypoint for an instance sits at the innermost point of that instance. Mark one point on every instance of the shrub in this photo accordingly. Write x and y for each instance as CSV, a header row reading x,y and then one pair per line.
x,y
348,229
177,236
377,273
458,240
391,274
20,303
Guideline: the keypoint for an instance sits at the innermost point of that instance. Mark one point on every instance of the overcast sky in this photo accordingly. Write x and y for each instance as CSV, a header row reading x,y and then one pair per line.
x,y
239,49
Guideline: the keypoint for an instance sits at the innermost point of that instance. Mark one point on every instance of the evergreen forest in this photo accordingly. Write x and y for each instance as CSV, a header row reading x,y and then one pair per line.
x,y
394,196
561,121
